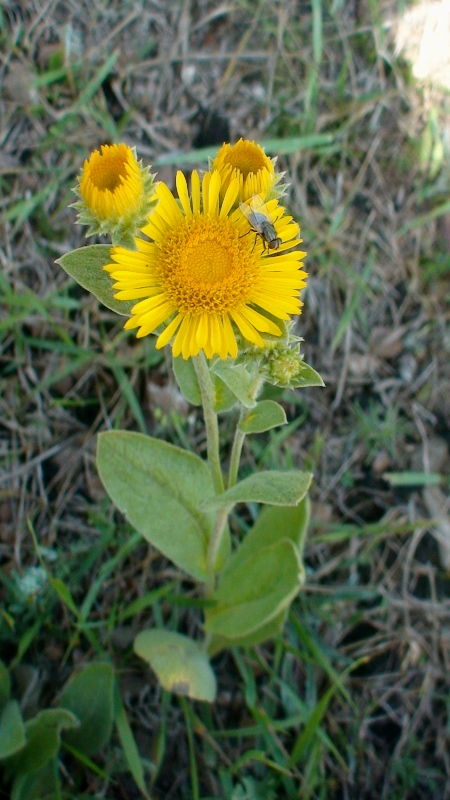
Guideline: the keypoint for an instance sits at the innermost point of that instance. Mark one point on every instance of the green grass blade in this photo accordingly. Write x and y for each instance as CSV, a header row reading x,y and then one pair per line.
x,y
128,743
413,478
192,760
317,25
94,85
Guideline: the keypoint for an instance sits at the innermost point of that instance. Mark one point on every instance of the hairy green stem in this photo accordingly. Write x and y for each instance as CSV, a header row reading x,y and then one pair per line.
x,y
211,425
212,444
236,450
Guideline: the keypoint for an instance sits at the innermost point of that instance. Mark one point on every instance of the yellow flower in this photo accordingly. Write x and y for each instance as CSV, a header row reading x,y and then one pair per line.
x,y
115,191
248,163
205,274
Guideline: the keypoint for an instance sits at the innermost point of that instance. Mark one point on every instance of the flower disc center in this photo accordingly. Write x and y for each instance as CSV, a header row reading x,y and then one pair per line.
x,y
205,266
209,261
108,172
246,158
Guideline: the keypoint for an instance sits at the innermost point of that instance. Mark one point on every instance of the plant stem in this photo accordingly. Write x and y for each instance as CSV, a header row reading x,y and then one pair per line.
x,y
239,436
238,441
212,428
212,443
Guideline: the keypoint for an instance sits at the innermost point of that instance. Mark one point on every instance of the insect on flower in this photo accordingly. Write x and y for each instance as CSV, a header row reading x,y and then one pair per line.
x,y
261,222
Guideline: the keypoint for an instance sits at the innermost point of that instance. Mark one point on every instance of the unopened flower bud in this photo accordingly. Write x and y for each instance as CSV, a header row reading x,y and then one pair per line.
x,y
284,364
116,193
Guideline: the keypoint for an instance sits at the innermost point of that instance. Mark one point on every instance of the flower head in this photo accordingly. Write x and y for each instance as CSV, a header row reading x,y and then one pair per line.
x,y
247,162
206,275
116,192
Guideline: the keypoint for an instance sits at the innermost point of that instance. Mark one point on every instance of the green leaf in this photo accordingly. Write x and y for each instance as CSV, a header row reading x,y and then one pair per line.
x,y
248,569
85,266
36,785
89,695
267,414
276,523
12,730
181,665
43,740
224,399
238,380
254,589
274,488
270,630
5,685
307,376
186,378
159,487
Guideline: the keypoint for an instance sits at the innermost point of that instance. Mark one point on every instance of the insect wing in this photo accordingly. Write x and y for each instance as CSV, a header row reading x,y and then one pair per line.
x,y
258,205
259,218
253,217
266,222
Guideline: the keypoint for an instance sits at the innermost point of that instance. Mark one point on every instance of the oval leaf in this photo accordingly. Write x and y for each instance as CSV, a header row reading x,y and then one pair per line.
x,y
181,665
89,695
12,730
267,414
276,523
43,740
158,487
273,525
40,785
187,380
270,630
238,380
274,488
85,266
253,591
224,399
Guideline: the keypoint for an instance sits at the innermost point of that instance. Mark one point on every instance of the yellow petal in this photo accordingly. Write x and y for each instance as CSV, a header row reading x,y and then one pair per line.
x,y
154,318
205,192
183,193
260,322
195,188
214,189
179,338
247,330
230,338
165,337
